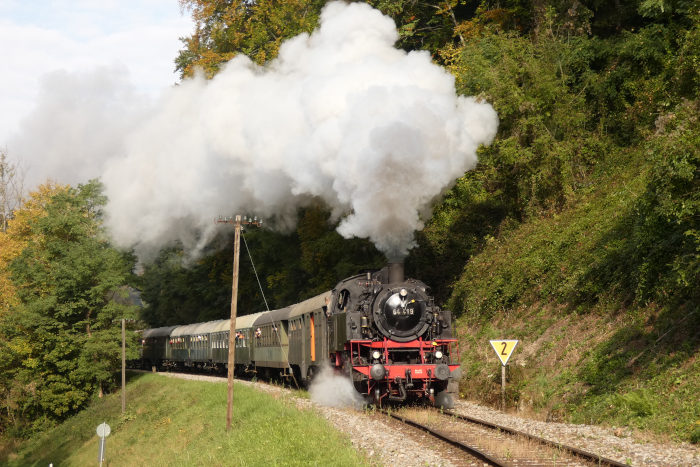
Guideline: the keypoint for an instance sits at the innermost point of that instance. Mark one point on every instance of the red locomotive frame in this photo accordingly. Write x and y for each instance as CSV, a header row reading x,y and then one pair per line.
x,y
416,380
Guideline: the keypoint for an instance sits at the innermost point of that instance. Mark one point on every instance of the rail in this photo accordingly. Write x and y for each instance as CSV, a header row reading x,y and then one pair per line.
x,y
471,450
600,460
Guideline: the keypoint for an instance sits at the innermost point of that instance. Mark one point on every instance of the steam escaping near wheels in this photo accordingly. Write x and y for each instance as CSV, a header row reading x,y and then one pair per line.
x,y
332,389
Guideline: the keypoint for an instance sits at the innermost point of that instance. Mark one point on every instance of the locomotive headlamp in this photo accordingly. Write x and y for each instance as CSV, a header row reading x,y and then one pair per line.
x,y
438,354
403,293
376,354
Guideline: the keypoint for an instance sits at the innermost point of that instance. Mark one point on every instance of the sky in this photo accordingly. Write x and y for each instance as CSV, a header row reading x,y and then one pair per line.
x,y
38,37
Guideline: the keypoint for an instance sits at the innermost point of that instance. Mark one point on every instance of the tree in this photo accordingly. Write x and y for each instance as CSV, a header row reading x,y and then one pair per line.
x,y
13,241
60,343
292,267
11,187
225,28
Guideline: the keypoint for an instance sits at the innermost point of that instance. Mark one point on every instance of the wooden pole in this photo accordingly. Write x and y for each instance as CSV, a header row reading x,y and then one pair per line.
x,y
123,365
232,329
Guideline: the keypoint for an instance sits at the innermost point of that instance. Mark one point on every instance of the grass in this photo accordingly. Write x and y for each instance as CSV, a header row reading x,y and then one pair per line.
x,y
177,422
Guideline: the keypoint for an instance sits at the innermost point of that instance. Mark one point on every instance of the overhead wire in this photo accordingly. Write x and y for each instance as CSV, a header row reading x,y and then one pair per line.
x,y
262,292
274,323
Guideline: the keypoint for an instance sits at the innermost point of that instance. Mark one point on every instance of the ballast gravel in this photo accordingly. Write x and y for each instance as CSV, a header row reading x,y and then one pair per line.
x,y
614,443
384,445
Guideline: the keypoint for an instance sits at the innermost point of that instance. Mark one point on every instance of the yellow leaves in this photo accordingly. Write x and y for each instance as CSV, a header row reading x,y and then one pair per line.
x,y
33,209
18,234
224,29
23,349
10,248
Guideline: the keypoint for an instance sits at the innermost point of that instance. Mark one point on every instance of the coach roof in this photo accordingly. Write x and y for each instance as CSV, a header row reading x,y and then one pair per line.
x,y
196,328
312,304
158,332
272,316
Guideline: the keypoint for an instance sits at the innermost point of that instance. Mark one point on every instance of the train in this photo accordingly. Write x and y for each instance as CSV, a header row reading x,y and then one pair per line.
x,y
380,330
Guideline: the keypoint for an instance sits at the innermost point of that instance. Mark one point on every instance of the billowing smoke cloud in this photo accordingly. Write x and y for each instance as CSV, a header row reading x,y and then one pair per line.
x,y
340,115
79,124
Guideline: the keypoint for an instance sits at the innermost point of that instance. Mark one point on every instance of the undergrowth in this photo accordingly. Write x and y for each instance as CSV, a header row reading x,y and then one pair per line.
x,y
602,294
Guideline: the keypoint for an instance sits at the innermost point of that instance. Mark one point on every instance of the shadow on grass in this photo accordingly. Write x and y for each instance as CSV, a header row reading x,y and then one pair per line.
x,y
58,444
643,349
641,259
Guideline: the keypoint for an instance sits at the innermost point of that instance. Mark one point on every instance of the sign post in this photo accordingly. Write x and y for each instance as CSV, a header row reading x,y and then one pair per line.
x,y
103,430
504,349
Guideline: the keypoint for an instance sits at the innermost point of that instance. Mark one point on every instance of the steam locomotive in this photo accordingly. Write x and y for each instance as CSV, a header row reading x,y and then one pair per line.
x,y
380,330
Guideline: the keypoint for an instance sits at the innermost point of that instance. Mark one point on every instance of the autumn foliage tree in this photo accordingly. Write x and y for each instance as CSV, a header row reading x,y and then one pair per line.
x,y
224,29
12,242
59,336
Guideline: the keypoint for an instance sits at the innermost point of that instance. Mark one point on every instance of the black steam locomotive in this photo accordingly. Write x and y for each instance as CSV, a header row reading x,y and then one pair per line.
x,y
382,331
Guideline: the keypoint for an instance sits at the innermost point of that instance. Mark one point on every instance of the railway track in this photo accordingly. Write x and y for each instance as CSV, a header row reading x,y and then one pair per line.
x,y
493,444
580,453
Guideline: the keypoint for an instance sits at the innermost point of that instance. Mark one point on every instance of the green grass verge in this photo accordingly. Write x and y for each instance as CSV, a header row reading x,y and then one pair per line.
x,y
178,422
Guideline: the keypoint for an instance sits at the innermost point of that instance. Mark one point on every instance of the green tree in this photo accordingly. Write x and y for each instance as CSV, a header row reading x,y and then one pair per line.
x,y
60,344
326,257
291,267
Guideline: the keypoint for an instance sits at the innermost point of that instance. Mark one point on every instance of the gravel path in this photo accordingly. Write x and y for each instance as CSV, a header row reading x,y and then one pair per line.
x,y
385,445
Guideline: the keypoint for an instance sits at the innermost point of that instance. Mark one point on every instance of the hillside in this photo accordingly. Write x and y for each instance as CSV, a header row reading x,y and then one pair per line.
x,y
596,295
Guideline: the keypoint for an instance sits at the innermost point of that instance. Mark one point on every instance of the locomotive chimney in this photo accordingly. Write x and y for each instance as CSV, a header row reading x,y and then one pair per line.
x,y
396,272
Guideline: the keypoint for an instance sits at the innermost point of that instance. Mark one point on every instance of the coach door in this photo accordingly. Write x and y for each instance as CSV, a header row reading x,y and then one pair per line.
x,y
313,338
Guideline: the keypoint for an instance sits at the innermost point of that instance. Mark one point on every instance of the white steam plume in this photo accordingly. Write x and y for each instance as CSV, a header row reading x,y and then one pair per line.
x,y
340,115
334,390
80,123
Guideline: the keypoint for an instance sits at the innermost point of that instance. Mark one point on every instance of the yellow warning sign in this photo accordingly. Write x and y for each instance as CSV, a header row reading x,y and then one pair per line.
x,y
504,349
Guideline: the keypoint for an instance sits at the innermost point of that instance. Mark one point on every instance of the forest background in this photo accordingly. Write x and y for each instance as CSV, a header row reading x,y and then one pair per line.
x,y
578,232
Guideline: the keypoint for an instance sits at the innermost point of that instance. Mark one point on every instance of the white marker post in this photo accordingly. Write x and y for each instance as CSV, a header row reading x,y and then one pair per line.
x,y
103,431
504,349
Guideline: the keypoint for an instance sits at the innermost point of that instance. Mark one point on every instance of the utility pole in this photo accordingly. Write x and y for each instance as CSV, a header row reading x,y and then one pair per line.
x,y
234,307
123,365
